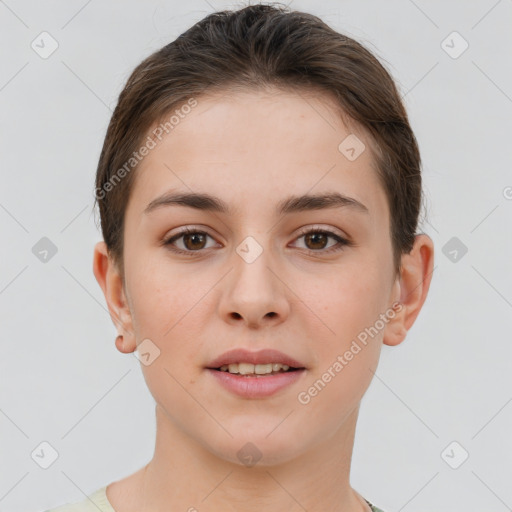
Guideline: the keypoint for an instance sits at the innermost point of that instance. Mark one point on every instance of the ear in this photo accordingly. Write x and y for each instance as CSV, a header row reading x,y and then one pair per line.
x,y
410,289
111,282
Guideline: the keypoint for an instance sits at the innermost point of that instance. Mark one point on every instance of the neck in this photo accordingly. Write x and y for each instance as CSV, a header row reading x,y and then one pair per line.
x,y
184,475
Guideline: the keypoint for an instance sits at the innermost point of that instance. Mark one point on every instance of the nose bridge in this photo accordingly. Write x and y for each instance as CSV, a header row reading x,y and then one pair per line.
x,y
253,292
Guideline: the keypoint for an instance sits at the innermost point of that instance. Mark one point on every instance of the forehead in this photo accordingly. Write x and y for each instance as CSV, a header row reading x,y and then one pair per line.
x,y
260,144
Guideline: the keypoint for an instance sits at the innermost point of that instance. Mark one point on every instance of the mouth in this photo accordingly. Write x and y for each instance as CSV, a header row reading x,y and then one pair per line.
x,y
255,375
256,370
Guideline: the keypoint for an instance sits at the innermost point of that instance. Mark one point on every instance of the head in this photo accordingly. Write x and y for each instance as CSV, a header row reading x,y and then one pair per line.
x,y
257,108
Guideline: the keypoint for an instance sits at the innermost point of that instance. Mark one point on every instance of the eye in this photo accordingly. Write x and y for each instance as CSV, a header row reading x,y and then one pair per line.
x,y
194,240
317,240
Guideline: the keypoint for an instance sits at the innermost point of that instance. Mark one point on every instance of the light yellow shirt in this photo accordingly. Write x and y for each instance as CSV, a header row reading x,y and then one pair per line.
x,y
95,502
98,502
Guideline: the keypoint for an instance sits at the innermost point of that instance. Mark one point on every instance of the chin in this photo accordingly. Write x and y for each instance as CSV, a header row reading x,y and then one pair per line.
x,y
256,448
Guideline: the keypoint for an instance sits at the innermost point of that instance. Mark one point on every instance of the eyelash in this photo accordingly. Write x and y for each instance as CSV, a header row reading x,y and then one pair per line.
x,y
335,248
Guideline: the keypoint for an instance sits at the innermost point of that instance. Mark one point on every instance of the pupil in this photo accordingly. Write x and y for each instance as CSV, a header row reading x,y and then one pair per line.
x,y
194,236
313,236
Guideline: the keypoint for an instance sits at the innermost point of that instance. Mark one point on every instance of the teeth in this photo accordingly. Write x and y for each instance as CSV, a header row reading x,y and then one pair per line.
x,y
258,369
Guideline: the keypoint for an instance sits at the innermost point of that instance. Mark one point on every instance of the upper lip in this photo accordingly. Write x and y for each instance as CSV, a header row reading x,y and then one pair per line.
x,y
241,355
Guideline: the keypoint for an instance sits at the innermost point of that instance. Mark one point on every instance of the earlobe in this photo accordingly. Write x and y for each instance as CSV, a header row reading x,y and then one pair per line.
x,y
111,283
123,346
412,286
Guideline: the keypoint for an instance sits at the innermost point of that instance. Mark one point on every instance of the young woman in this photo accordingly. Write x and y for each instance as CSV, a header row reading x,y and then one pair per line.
x,y
259,190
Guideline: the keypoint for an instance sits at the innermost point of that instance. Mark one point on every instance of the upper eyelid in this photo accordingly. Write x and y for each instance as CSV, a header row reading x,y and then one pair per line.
x,y
302,230
317,227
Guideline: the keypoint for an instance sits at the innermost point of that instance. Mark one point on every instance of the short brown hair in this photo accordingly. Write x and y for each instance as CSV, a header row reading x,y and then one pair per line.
x,y
255,47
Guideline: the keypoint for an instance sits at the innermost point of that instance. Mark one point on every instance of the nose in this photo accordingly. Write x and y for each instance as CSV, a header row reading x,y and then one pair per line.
x,y
254,293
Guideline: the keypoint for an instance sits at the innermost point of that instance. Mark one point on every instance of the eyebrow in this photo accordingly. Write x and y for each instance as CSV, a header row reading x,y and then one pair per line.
x,y
292,204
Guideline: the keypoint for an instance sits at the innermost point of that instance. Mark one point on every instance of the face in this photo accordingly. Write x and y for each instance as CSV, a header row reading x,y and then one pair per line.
x,y
250,276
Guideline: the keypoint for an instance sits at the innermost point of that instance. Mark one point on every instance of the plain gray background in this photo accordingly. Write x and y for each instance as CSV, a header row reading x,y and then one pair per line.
x,y
63,381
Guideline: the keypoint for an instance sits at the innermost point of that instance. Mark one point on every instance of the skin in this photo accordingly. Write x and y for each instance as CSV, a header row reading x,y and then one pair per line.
x,y
252,150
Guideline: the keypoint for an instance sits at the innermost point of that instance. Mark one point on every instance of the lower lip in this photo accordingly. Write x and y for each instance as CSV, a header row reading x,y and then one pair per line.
x,y
256,387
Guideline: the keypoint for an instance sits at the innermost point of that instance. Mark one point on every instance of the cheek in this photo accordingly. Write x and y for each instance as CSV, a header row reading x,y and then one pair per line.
x,y
346,330
346,348
172,307
346,300
160,298
168,308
